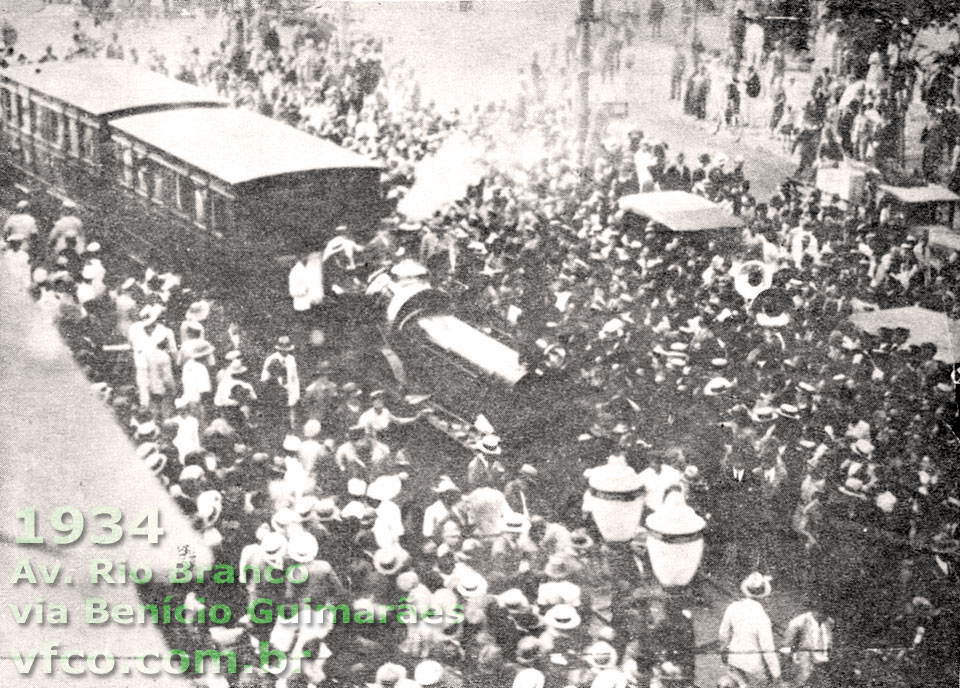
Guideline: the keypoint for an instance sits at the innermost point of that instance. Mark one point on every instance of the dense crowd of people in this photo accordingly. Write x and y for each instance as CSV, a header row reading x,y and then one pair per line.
x,y
818,454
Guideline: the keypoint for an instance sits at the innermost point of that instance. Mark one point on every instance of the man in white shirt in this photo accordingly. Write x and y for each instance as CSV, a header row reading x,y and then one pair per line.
x,y
656,478
435,515
747,635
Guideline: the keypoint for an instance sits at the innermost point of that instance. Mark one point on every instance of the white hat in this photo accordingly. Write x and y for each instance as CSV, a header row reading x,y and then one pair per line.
x,y
788,411
391,560
529,678
513,522
886,501
385,488
23,205
864,447
428,672
760,414
291,443
471,584
284,517
756,585
356,487
562,617
209,506
303,547
490,444
408,269
717,385
602,655
390,673
311,428
609,678
305,504
446,485
513,599
273,544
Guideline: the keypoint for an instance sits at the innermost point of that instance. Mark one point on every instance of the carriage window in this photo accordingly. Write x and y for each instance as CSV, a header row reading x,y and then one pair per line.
x,y
164,186
217,219
20,117
63,134
71,140
49,125
185,197
144,178
86,142
6,102
125,168
200,206
32,117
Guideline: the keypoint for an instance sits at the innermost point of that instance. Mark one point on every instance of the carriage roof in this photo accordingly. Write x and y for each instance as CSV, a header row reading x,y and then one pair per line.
x,y
680,211
931,193
237,146
105,88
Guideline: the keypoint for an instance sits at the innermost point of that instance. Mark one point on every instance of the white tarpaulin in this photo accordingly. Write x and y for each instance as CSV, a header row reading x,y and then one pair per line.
x,y
925,325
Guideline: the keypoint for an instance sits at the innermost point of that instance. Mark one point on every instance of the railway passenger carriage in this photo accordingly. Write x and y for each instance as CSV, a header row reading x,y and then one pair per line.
x,y
255,187
168,172
55,120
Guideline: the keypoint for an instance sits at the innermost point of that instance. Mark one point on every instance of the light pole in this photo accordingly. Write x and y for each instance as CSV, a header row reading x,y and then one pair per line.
x,y
585,20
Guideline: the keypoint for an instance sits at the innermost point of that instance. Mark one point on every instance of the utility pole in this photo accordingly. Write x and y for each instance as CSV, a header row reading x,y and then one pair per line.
x,y
585,20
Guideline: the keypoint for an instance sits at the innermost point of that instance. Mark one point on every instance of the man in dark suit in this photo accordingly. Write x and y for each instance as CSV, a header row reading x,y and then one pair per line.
x,y
737,495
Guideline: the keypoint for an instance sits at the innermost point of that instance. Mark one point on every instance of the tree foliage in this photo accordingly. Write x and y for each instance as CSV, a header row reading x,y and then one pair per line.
x,y
868,25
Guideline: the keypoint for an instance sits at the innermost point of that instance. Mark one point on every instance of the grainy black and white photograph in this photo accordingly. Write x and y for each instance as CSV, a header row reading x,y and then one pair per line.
x,y
480,343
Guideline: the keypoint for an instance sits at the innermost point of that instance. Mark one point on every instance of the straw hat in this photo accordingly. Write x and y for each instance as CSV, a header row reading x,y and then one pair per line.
x,y
311,428
428,672
326,510
273,544
284,345
529,678
303,547
409,269
756,586
472,584
562,617
513,600
389,674
197,348
445,485
390,561
716,386
385,488
356,487
602,655
198,311
788,411
513,522
209,506
490,445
